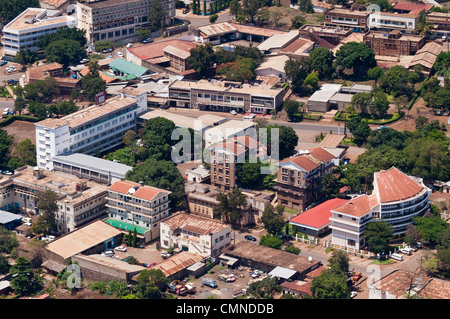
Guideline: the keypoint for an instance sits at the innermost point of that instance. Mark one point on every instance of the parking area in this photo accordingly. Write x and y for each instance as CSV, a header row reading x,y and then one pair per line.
x,y
12,66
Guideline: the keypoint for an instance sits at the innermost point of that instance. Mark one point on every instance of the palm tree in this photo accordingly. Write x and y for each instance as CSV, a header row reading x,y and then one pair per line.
x,y
424,27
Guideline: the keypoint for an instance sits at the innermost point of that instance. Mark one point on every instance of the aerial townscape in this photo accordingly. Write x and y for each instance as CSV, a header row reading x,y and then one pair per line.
x,y
225,149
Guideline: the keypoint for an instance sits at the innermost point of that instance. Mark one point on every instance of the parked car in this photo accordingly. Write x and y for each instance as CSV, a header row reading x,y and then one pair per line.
x,y
121,248
185,11
209,282
119,54
6,111
7,172
381,127
249,237
233,112
405,251
2,63
107,50
148,40
12,82
250,116
397,257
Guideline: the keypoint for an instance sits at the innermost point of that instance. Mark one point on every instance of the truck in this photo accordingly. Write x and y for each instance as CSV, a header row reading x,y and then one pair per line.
x,y
190,288
177,288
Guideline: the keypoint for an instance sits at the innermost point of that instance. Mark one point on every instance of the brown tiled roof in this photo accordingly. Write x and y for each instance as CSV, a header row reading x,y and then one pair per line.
x,y
156,50
195,224
394,185
413,8
358,206
399,282
436,289
332,140
122,186
144,192
296,45
302,161
321,154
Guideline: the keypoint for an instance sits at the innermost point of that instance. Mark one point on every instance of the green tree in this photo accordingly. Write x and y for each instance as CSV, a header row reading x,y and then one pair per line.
x,y
442,63
396,81
339,261
41,90
375,73
263,289
8,241
92,83
424,27
287,141
330,285
63,108
46,202
74,34
249,175
25,57
297,70
271,241
312,82
330,185
322,62
297,22
357,56
240,70
380,103
230,205
24,154
24,282
65,52
202,59
235,8
360,129
250,8
157,15
306,6
429,228
273,220
4,265
378,235
291,107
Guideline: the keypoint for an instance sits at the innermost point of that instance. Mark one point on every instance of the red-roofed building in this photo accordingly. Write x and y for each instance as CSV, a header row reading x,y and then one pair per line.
x,y
412,8
396,199
316,221
298,178
132,205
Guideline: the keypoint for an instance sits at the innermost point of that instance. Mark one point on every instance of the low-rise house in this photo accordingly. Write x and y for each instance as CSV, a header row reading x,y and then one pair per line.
x,y
198,235
66,81
426,56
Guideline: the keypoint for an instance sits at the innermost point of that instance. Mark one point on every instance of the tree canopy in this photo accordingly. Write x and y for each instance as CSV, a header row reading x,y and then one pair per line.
x,y
357,56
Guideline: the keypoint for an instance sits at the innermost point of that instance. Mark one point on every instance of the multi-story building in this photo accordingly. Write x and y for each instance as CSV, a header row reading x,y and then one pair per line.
x,y
298,177
224,159
441,23
117,20
386,21
97,128
394,43
198,235
224,96
347,19
132,205
79,200
396,199
24,30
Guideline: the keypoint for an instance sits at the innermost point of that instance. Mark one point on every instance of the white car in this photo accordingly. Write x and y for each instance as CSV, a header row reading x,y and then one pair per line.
x,y
120,248
353,294
233,112
119,54
129,45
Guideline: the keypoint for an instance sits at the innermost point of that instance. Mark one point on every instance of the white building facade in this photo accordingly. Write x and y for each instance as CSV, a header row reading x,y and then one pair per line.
x,y
396,199
93,129
385,21
30,25
199,235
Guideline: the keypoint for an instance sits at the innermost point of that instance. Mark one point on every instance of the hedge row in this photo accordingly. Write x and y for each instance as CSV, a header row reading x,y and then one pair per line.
x,y
11,118
395,117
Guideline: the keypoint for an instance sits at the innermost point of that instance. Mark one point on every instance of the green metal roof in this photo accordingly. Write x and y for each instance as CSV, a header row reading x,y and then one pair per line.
x,y
126,226
127,67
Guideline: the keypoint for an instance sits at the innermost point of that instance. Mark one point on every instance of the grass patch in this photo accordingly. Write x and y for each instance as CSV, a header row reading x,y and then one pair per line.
x,y
383,262
371,119
4,92
291,211
348,141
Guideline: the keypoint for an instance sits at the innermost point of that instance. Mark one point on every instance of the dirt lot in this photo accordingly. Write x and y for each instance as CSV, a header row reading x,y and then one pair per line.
x,y
22,130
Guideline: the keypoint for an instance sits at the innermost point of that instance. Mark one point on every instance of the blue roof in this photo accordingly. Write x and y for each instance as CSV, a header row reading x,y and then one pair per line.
x,y
7,217
128,67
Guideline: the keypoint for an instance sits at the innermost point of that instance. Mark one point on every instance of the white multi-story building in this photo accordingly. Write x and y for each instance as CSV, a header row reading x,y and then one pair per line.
x,y
94,129
30,25
396,199
116,20
132,205
198,235
386,21
79,200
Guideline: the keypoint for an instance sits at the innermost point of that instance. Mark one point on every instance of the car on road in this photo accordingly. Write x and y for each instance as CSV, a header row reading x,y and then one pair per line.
x,y
129,45
353,294
120,54
6,172
84,61
121,248
12,82
249,237
233,112
148,40
249,117
185,11
107,50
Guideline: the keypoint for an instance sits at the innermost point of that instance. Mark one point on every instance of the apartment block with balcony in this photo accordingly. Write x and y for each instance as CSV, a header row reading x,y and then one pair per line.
x,y
202,236
80,201
354,20
441,23
97,128
117,20
24,30
298,177
396,199
224,96
135,206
